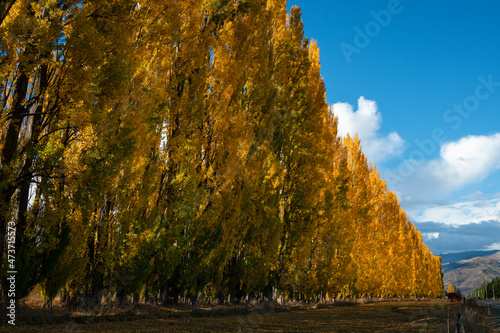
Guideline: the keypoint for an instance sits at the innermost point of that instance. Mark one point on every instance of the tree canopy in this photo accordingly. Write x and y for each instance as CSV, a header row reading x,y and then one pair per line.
x,y
186,147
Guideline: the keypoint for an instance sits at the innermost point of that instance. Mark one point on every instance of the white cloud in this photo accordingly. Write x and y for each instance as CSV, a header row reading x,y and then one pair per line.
x,y
495,246
461,163
431,235
468,223
462,213
468,160
365,122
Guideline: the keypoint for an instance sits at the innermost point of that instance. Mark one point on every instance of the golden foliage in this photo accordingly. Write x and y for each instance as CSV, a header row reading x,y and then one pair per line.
x,y
188,146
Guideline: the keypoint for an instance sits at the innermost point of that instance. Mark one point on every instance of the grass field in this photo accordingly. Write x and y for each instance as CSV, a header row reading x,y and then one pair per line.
x,y
394,316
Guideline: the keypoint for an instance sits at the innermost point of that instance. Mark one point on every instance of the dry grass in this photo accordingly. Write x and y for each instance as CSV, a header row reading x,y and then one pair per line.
x,y
395,316
475,318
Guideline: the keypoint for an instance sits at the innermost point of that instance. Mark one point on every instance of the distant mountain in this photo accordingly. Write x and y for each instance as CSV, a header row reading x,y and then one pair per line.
x,y
468,274
454,257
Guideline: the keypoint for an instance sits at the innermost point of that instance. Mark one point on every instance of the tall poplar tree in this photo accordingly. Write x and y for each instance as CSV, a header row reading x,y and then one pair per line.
x,y
168,148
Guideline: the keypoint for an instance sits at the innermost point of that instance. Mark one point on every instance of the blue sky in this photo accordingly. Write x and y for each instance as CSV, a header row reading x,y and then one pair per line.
x,y
419,81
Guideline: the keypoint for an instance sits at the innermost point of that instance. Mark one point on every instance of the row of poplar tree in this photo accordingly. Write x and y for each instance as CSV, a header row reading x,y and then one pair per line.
x,y
488,289
186,147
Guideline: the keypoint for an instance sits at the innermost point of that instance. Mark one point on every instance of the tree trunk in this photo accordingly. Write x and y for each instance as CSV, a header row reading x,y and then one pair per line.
x,y
136,299
84,303
9,148
5,9
97,288
194,299
175,297
32,132
146,293
120,296
221,298
165,296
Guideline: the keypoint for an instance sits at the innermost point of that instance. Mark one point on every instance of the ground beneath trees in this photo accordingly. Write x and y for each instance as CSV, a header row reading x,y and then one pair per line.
x,y
394,316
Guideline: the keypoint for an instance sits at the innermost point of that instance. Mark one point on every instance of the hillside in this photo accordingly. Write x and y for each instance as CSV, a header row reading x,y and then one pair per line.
x,y
468,274
458,256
